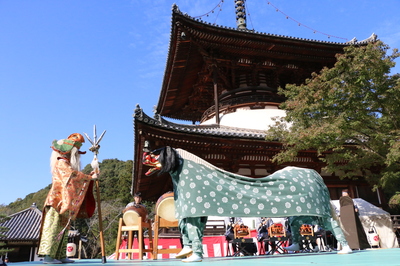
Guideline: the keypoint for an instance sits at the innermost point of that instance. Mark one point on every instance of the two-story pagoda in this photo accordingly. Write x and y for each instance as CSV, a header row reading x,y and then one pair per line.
x,y
225,82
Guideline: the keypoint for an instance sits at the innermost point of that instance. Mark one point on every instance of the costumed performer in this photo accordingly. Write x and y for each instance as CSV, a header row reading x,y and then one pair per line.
x,y
191,228
291,191
70,195
328,223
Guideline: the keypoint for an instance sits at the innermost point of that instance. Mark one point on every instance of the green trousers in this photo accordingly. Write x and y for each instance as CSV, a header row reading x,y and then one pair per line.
x,y
192,230
326,223
54,238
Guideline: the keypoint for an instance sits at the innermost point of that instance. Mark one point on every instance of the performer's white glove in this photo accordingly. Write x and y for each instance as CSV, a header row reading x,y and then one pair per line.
x,y
94,176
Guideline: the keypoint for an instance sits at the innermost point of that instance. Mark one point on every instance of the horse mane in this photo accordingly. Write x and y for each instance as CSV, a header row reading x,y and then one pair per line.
x,y
169,160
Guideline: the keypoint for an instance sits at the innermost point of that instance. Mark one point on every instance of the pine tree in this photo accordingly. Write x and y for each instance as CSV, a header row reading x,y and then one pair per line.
x,y
3,219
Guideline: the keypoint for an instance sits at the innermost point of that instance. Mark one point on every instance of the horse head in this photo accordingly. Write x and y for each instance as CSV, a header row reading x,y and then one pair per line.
x,y
161,160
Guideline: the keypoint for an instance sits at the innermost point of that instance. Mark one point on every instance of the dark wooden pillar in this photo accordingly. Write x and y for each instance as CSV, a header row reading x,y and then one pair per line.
x,y
216,101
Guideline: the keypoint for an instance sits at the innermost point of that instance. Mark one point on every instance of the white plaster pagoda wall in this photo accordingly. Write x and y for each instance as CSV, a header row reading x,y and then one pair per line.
x,y
259,119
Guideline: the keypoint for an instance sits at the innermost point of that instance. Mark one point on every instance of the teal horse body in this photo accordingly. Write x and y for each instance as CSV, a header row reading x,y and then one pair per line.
x,y
202,189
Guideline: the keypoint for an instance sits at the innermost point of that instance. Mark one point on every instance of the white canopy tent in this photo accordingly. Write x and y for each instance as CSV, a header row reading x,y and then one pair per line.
x,y
372,216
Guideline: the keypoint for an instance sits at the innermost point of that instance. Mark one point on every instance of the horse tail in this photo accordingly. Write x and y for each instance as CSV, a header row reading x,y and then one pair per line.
x,y
169,160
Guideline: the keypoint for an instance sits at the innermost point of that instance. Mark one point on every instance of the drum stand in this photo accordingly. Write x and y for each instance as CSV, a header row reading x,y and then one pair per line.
x,y
307,238
243,243
276,239
130,228
162,223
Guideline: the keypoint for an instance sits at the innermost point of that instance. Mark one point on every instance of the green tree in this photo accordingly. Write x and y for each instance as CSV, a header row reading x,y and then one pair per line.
x,y
115,179
37,197
111,211
3,219
348,114
115,183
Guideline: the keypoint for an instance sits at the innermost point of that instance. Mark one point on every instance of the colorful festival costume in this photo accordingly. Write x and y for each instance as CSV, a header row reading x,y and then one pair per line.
x,y
192,229
202,189
69,197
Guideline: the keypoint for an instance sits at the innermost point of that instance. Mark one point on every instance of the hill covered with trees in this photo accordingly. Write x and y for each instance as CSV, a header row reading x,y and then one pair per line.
x,y
115,192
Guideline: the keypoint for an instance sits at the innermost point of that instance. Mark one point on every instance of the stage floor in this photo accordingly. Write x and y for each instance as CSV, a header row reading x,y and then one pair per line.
x,y
381,257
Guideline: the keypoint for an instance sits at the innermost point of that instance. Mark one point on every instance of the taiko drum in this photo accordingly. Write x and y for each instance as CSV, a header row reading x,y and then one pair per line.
x,y
165,207
132,214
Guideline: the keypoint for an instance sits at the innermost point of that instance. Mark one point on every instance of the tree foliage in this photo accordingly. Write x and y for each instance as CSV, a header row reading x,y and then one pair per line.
x,y
115,179
3,219
35,197
111,211
348,114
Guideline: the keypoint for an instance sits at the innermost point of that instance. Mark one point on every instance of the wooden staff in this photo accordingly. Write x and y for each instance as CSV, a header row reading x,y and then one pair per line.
x,y
95,165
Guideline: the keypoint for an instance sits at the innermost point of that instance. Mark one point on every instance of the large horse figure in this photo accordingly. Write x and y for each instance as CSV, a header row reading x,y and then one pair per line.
x,y
202,189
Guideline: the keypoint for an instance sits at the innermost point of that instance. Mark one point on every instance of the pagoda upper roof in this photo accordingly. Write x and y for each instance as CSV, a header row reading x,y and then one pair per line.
x,y
196,46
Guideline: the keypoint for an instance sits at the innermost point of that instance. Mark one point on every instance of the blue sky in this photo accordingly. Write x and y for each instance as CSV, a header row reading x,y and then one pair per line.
x,y
67,65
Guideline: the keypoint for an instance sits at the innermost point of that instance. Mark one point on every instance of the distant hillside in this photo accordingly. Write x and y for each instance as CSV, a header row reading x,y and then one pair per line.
x,y
115,187
115,183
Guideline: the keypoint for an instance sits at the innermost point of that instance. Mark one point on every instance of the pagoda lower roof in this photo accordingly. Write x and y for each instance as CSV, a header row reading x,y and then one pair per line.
x,y
210,130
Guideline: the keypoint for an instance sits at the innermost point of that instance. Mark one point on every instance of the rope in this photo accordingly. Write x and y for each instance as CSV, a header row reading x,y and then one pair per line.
x,y
301,24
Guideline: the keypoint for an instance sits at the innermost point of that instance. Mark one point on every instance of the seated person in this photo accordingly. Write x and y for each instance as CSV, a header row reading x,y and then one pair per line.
x,y
137,202
230,225
262,230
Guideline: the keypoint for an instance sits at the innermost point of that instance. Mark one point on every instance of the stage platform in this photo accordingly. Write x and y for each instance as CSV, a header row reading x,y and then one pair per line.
x,y
380,257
